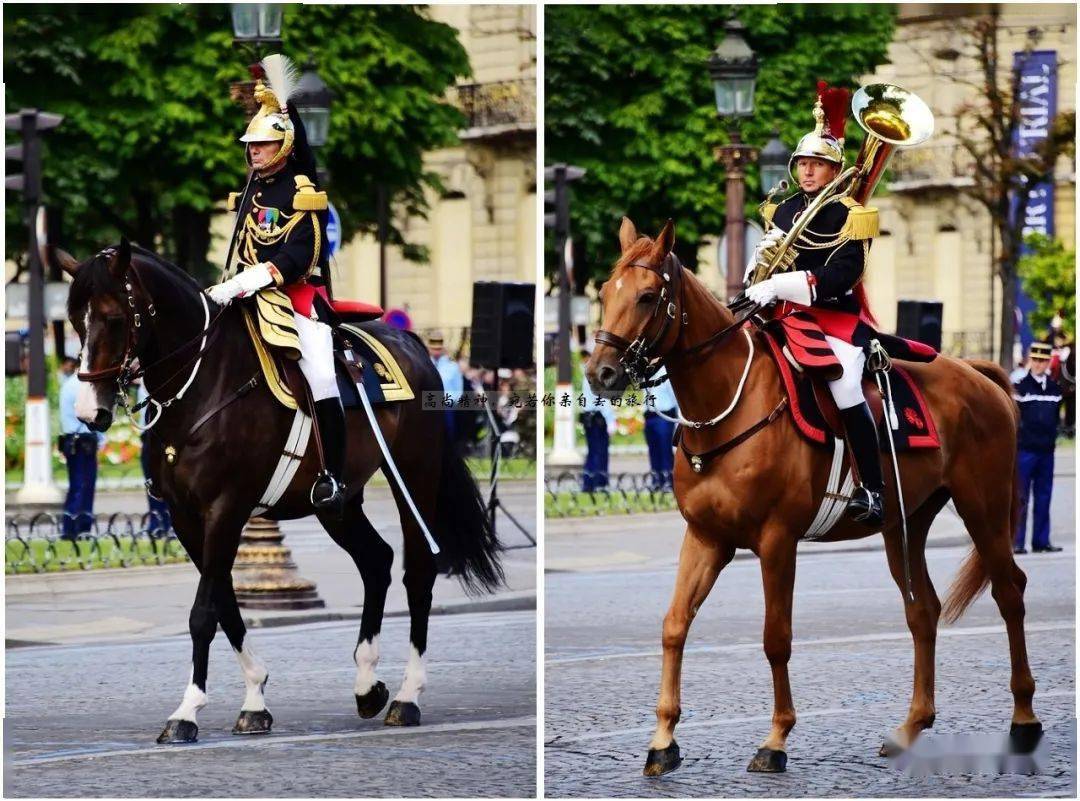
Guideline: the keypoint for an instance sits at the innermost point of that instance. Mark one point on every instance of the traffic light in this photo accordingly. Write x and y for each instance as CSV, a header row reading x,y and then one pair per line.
x,y
30,122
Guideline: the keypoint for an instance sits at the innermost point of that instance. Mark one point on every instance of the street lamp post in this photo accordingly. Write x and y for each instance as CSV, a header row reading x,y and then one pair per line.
x,y
733,70
256,27
264,573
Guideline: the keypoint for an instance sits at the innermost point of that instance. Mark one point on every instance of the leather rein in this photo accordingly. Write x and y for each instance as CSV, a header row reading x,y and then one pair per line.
x,y
641,361
128,369
639,358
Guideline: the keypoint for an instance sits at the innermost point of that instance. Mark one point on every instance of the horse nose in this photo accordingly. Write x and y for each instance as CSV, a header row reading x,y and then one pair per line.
x,y
607,375
102,420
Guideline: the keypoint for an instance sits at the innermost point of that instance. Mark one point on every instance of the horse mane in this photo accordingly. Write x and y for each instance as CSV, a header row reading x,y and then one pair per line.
x,y
94,277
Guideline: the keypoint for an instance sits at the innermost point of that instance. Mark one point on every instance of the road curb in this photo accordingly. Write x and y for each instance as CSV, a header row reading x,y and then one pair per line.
x,y
505,602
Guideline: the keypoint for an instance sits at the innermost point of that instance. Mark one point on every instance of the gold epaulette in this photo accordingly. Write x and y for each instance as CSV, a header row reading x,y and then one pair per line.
x,y
862,221
230,204
306,198
767,211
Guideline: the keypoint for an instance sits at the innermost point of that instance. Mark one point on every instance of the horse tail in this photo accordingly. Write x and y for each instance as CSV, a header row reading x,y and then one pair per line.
x,y
971,581
468,542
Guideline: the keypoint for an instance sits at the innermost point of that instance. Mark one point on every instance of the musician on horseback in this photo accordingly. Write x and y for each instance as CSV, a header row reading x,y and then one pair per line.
x,y
825,284
279,241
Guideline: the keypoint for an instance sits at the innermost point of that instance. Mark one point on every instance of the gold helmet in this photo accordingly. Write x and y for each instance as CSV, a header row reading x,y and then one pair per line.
x,y
826,141
271,122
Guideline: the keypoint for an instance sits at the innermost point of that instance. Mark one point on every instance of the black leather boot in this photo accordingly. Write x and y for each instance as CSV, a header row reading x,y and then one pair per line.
x,y
328,494
867,504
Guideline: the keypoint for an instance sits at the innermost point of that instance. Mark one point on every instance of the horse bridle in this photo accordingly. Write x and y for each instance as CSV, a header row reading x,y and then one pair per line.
x,y
639,358
127,371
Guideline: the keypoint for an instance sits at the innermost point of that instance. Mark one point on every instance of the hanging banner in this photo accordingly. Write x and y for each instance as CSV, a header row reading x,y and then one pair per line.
x,y
1037,73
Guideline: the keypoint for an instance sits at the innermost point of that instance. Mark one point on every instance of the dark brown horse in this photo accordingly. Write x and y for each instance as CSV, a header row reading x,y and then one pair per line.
x,y
214,449
763,493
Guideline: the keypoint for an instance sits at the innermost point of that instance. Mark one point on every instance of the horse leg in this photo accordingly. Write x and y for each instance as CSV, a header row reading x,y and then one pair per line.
x,y
373,558
922,619
419,578
219,550
987,516
777,556
700,562
254,717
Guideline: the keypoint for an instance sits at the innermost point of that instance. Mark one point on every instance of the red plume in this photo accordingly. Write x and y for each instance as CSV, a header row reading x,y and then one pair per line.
x,y
834,102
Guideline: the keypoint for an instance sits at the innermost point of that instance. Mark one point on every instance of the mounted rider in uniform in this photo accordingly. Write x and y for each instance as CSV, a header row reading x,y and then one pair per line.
x,y
280,241
825,284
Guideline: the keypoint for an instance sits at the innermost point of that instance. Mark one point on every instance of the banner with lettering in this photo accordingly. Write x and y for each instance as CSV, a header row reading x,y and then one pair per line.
x,y
1037,73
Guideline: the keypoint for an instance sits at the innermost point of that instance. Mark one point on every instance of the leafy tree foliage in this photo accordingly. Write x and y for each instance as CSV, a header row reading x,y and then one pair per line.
x,y
1048,274
628,97
148,147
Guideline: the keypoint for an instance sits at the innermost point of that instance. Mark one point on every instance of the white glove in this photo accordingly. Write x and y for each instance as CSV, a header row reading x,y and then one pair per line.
x,y
764,293
247,281
774,236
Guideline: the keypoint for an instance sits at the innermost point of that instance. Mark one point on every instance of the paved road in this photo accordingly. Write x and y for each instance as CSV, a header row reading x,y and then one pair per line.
x,y
81,719
87,606
850,671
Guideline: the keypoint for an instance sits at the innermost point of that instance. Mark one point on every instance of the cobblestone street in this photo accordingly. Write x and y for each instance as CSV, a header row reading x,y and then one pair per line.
x,y
850,671
81,719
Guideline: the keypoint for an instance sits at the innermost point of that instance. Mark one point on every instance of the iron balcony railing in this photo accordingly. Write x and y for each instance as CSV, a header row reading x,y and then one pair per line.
x,y
498,106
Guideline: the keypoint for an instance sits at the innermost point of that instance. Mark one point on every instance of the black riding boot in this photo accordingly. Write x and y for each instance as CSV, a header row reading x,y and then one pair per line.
x,y
328,494
866,504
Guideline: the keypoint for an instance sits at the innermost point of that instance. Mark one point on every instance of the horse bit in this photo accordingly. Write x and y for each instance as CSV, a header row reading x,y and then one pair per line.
x,y
636,355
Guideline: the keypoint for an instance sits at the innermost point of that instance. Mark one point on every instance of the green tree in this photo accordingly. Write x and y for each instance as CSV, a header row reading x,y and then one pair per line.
x,y
628,98
1048,274
148,146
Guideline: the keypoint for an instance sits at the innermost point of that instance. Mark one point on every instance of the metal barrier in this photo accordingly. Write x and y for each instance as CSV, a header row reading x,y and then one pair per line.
x,y
38,544
625,493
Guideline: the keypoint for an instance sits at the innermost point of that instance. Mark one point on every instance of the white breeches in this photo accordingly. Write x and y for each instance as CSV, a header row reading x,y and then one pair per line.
x,y
847,389
317,357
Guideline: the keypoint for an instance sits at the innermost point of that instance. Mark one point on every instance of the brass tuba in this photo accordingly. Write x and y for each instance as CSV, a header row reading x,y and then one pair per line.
x,y
892,117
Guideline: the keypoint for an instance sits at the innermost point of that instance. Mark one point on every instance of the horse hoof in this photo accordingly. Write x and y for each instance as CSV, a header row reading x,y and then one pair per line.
x,y
179,731
258,722
766,760
1023,737
403,713
890,749
662,760
371,703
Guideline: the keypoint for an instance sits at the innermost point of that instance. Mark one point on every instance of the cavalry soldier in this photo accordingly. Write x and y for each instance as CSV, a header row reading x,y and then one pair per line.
x,y
280,240
825,285
1039,398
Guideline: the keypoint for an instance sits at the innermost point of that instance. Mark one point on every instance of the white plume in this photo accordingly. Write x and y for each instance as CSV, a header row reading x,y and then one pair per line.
x,y
281,77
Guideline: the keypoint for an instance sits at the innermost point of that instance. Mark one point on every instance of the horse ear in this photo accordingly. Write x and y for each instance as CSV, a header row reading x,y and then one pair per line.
x,y
665,240
120,264
628,234
62,259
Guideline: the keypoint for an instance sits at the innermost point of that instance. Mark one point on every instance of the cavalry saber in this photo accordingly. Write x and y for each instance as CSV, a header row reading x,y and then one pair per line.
x,y
880,367
377,431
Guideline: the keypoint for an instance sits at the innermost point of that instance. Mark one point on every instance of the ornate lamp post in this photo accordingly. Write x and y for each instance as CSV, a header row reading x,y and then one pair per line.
x,y
773,161
733,70
264,573
256,28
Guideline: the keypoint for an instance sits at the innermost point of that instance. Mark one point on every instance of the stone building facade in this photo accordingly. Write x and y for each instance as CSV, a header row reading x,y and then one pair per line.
x,y
936,243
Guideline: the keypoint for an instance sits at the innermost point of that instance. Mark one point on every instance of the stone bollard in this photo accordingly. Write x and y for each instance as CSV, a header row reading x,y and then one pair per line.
x,y
264,574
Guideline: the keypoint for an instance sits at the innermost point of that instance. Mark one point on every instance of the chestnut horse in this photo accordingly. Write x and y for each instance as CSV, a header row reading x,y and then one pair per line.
x,y
763,493
213,449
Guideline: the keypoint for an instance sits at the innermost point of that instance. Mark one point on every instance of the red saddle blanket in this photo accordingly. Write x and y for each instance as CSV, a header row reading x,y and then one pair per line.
x,y
814,411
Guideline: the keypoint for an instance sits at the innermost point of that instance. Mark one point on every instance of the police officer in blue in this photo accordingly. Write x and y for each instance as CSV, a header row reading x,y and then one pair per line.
x,y
79,445
1040,400
659,432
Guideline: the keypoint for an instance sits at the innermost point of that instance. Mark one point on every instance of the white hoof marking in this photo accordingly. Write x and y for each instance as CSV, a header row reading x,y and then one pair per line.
x,y
366,657
415,678
255,674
